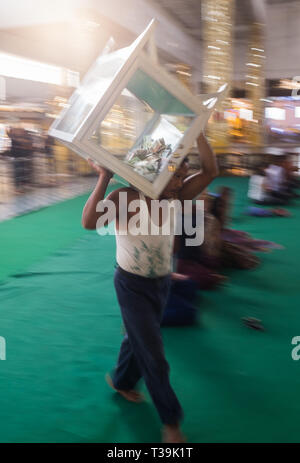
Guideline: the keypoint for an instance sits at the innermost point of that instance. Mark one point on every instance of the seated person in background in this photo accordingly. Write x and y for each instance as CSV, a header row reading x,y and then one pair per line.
x,y
260,212
261,188
292,180
221,209
223,247
278,181
21,150
276,176
202,263
257,186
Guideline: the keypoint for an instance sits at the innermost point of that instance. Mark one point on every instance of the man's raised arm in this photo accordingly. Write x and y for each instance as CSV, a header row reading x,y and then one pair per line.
x,y
196,183
89,214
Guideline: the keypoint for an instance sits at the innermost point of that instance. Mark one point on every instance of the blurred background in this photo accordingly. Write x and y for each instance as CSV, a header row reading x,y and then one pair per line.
x,y
46,50
231,360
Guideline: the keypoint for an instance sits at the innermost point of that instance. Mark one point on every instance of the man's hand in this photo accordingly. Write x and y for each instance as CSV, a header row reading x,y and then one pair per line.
x,y
102,171
196,183
201,139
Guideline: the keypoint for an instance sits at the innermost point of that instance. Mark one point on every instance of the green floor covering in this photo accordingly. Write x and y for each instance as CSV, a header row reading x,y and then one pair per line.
x,y
60,318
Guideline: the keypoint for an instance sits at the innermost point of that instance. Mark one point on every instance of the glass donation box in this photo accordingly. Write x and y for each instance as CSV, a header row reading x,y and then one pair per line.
x,y
134,118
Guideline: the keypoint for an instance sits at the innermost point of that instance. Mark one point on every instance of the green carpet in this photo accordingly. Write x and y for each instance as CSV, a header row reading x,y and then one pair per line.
x,y
30,238
62,326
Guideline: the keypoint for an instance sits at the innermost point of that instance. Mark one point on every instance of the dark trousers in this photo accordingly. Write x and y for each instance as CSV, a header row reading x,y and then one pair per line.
x,y
142,302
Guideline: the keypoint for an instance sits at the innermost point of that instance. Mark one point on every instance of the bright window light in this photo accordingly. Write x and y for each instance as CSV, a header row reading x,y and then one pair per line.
x,y
277,114
23,68
297,111
229,115
246,114
214,77
73,78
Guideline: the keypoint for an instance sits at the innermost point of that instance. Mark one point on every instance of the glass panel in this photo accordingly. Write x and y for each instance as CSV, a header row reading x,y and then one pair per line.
x,y
144,126
92,89
150,91
181,123
123,124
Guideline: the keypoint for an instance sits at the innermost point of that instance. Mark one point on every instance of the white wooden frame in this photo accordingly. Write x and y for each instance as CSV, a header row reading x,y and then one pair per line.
x,y
133,51
81,142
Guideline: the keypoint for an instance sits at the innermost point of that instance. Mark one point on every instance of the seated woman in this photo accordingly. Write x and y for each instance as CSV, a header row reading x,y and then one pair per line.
x,y
202,263
221,210
222,247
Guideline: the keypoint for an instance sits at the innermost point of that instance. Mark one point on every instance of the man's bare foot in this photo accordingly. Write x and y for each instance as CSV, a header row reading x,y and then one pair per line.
x,y
171,434
131,396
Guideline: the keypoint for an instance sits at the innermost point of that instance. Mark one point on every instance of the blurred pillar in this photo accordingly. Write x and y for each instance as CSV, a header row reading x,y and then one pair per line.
x,y
218,26
255,83
183,72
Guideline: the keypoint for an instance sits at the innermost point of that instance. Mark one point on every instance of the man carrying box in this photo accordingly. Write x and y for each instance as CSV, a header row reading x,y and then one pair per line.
x,y
142,282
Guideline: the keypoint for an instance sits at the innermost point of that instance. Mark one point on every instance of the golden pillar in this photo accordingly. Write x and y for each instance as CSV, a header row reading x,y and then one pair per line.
x,y
255,83
218,27
184,74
